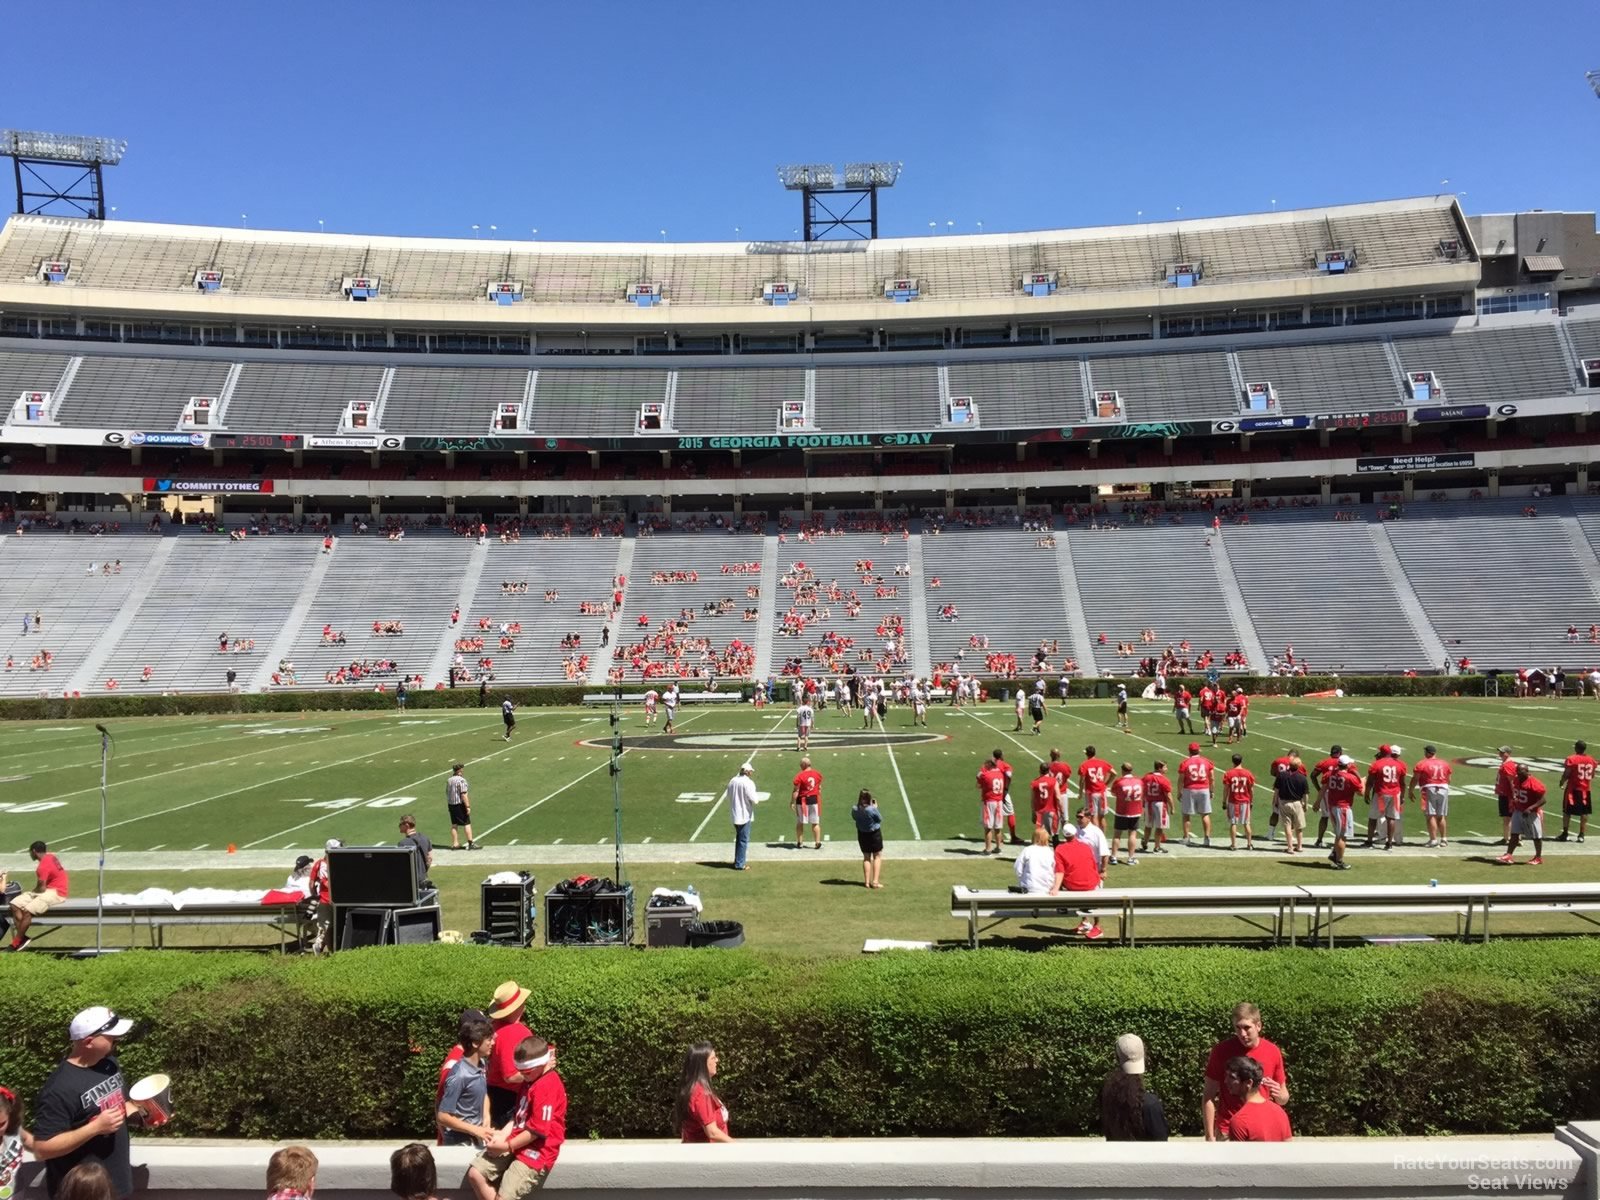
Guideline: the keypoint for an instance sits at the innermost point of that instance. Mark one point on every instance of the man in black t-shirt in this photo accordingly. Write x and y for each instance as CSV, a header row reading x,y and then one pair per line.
x,y
82,1112
421,851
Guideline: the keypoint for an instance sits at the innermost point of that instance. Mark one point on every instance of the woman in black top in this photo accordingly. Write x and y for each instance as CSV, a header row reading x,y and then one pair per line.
x,y
1129,1113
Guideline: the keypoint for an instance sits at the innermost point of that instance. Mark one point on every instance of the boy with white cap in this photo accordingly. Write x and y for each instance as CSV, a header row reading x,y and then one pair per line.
x,y
82,1112
518,1158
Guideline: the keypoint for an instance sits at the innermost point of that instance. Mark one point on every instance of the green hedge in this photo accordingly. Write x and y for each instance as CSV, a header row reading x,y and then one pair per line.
x,y
1412,1040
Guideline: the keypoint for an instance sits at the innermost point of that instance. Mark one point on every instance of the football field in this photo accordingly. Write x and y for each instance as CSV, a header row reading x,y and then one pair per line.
x,y
183,791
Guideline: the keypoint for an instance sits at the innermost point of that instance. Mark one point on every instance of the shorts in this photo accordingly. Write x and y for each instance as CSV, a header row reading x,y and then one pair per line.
x,y
808,813
1126,824
509,1176
1529,824
1577,806
1037,714
1046,818
1006,807
1435,800
1341,818
458,813
511,722
36,904
1238,814
650,708
1504,804
991,814
803,730
1195,803
1155,814
1183,712
1384,807
1292,814
870,843
1234,722
672,712
1122,708
1096,803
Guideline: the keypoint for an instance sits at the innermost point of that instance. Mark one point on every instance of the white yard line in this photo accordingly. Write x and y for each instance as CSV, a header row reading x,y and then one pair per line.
x,y
905,797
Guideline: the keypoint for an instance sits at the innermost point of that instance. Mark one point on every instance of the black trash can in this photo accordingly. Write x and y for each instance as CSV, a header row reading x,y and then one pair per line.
x,y
718,935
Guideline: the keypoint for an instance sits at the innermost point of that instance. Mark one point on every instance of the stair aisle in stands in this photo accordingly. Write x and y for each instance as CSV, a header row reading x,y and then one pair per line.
x,y
1254,655
766,628
283,645
623,570
439,666
1584,552
1432,646
85,677
1071,598
917,627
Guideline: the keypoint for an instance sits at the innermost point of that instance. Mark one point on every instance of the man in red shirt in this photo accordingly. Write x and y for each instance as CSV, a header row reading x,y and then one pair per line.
x,y
1094,779
1234,708
50,889
1007,808
1182,708
1432,777
517,1160
1062,773
1238,790
1386,782
1194,782
991,796
1077,870
1527,816
1128,796
1157,808
807,803
1217,1104
1256,1119
1340,787
1505,779
1318,773
1046,801
505,1080
1577,776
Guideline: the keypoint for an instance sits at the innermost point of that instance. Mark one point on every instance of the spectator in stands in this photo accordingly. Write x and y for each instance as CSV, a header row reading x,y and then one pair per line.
x,y
1129,1112
421,851
50,889
1219,1102
505,1080
869,836
82,1111
698,1112
1255,1117
292,1174
412,1173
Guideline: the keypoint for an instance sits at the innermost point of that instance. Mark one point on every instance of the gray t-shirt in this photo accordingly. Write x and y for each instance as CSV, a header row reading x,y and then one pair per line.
x,y
421,848
464,1091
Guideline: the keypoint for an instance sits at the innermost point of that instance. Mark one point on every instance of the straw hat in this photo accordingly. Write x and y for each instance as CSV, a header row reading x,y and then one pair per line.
x,y
508,997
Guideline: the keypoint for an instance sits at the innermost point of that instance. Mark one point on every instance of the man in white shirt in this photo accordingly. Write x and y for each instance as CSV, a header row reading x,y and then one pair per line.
x,y
742,801
1036,865
1091,835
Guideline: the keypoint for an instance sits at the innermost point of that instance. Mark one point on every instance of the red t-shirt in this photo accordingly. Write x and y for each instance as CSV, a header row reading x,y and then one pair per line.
x,y
1527,796
502,1062
1387,776
1044,795
1129,791
1238,784
1264,1122
1080,872
52,875
1195,772
1004,768
542,1111
1062,773
1431,772
1580,774
1323,768
1157,787
808,786
1340,787
704,1109
1505,779
1264,1052
991,785
1095,775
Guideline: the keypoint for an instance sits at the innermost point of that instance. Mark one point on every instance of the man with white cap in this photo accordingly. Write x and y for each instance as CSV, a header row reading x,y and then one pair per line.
x,y
81,1113
1077,870
742,801
1340,787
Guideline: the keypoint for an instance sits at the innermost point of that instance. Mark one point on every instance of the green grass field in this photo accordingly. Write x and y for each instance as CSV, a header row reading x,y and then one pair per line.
x,y
182,790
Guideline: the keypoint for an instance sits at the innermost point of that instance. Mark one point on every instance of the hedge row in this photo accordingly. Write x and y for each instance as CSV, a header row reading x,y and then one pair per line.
x,y
1404,1040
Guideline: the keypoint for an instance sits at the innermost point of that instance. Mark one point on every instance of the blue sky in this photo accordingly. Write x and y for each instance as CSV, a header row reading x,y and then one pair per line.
x,y
611,122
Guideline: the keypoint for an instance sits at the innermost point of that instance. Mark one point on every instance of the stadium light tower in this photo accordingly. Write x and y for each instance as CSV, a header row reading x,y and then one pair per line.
x,y
831,202
60,173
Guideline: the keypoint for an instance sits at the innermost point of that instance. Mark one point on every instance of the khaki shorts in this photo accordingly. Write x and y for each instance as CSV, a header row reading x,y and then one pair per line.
x,y
511,1178
37,903
1293,814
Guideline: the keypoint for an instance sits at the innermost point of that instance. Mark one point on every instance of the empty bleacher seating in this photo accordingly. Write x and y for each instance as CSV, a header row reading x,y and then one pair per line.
x,y
1327,377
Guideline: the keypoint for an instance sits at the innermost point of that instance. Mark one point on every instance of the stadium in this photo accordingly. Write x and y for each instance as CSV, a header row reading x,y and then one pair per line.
x,y
292,524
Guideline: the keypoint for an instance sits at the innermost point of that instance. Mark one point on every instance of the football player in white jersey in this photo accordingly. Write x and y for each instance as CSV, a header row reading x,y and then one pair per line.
x,y
804,716
650,698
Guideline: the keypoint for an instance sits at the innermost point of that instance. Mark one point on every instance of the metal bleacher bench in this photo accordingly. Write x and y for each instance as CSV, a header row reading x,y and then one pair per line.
x,y
288,919
686,698
1252,905
1325,906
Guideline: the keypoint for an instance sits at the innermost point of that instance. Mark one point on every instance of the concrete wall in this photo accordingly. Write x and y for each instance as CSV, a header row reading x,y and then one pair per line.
x,y
1562,1165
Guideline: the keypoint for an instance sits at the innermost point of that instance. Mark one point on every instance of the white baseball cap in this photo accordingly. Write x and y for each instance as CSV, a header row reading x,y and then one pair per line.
x,y
1130,1054
98,1019
1345,760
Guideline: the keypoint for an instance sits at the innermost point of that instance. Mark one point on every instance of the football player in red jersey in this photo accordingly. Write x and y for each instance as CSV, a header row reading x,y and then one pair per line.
x,y
1182,708
1238,789
1128,791
1046,802
807,803
1157,809
1505,779
1094,780
1007,809
1234,708
1194,782
1340,786
1432,777
1577,776
991,796
1527,816
1061,772
1386,784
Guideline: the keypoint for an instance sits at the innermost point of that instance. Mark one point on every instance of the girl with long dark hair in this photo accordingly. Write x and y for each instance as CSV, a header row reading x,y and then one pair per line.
x,y
1129,1113
698,1112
